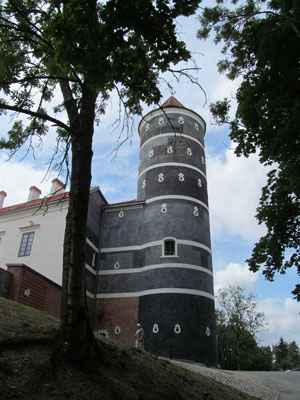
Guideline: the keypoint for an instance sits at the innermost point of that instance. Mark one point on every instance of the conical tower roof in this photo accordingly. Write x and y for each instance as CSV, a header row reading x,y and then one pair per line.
x,y
172,102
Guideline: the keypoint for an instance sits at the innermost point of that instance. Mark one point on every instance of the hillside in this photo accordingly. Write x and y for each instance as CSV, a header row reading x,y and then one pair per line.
x,y
26,337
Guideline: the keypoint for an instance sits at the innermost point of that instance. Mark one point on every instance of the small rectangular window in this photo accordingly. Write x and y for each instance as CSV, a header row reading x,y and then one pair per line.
x,y
26,244
169,248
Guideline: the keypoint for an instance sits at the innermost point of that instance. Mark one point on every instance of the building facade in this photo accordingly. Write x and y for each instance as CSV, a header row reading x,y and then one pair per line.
x,y
155,253
149,260
32,233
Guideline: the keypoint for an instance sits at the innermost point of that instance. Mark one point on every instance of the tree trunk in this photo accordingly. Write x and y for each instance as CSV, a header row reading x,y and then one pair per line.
x,y
65,275
75,329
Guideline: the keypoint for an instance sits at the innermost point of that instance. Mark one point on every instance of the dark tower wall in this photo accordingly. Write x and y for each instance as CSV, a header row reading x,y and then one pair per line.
x,y
155,262
120,271
94,221
177,311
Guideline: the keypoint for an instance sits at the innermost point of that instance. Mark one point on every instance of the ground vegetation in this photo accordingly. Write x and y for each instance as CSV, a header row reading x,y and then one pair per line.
x,y
28,372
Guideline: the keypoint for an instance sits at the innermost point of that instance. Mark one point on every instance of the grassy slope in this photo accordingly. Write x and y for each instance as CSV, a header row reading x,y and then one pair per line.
x,y
127,373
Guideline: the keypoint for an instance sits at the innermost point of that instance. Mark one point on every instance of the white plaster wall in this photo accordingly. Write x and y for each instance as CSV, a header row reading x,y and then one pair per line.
x,y
47,248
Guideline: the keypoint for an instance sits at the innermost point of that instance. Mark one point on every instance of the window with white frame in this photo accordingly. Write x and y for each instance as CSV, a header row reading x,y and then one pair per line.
x,y
26,244
169,248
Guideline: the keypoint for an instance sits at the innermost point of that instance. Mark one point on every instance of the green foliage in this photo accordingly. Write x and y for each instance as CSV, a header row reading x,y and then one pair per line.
x,y
238,322
100,45
219,111
281,351
263,360
287,355
294,354
262,41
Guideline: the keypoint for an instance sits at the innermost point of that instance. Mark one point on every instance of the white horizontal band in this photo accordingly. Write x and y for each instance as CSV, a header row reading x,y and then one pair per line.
x,y
195,244
173,110
173,134
154,266
175,197
131,248
109,208
148,268
151,244
151,292
172,164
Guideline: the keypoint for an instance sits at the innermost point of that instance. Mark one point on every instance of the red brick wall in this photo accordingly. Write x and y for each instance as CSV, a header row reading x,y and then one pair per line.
x,y
122,312
33,289
15,283
53,300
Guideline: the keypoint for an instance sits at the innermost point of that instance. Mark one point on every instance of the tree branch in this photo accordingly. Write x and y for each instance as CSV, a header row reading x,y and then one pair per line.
x,y
36,77
69,101
38,115
33,26
185,72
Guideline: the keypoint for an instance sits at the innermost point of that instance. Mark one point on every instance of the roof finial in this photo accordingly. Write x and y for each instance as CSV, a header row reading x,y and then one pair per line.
x,y
172,102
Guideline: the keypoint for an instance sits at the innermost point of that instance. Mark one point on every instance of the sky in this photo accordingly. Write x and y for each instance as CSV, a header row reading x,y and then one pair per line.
x,y
234,185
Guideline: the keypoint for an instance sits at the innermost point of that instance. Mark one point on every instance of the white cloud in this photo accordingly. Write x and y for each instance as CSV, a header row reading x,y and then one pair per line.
x,y
224,87
17,177
282,317
235,275
234,187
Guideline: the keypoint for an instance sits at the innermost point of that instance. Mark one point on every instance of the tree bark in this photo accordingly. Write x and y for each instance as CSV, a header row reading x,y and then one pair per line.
x,y
75,328
65,275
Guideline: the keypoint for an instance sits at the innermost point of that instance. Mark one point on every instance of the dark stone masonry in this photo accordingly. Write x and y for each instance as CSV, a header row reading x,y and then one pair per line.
x,y
150,261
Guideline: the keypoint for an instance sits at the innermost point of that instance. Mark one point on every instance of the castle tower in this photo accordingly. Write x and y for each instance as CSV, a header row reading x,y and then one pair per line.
x,y
177,311
154,252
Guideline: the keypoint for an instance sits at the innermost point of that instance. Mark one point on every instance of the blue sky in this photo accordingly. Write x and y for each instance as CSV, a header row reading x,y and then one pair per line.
x,y
234,186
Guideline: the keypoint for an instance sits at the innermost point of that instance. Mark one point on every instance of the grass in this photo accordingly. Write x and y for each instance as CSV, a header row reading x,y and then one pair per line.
x,y
26,373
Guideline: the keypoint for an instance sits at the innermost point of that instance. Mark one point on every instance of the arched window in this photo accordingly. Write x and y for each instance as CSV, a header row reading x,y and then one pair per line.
x,y
169,248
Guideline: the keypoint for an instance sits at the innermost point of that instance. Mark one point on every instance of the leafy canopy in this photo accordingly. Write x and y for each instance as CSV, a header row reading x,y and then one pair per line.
x,y
262,41
100,45
287,355
238,323
239,310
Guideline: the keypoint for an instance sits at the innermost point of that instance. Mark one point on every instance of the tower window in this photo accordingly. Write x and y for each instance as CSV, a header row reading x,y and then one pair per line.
x,y
26,244
169,248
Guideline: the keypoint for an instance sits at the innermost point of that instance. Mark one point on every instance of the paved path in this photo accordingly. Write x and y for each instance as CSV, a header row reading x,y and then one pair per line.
x,y
287,383
246,383
264,385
